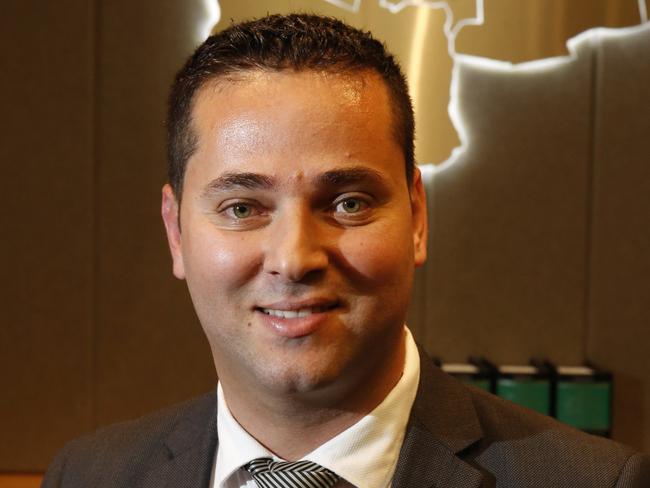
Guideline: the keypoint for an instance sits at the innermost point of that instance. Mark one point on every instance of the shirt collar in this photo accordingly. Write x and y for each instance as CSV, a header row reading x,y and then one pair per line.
x,y
365,454
236,446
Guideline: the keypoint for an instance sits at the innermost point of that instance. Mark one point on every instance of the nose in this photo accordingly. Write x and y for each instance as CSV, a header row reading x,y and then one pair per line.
x,y
295,247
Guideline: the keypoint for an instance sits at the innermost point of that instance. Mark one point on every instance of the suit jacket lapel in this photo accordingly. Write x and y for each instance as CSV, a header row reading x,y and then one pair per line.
x,y
189,452
443,423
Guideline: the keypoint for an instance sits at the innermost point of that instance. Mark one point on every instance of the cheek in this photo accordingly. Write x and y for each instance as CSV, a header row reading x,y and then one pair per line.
x,y
380,258
216,261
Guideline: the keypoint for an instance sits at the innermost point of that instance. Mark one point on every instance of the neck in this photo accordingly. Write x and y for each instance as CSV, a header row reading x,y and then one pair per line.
x,y
292,425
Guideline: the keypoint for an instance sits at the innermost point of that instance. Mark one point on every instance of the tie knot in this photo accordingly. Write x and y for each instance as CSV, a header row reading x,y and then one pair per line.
x,y
296,474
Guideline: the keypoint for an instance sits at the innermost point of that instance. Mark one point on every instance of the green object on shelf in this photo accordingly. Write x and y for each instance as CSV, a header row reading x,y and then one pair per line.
x,y
529,392
482,383
584,405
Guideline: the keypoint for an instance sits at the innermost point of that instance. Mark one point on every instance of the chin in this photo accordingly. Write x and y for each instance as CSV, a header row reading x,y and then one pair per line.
x,y
299,379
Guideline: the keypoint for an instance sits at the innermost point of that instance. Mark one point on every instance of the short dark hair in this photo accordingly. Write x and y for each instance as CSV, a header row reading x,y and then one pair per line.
x,y
277,43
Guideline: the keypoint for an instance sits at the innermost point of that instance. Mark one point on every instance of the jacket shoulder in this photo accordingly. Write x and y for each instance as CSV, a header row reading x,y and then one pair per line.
x,y
519,444
117,454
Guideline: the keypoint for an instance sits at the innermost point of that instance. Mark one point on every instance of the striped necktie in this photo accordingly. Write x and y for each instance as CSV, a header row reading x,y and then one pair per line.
x,y
299,474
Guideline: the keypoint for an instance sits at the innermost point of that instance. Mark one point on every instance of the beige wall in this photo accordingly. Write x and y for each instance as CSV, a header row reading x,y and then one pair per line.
x,y
542,253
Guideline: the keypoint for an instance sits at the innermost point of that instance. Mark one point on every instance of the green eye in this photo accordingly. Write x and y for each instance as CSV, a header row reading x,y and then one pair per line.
x,y
350,205
241,211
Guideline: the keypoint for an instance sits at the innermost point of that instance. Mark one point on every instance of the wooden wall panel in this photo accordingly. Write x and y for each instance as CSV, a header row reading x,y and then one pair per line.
x,y
150,347
46,100
619,304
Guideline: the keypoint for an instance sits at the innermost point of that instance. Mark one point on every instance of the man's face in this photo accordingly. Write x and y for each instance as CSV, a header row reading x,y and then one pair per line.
x,y
298,233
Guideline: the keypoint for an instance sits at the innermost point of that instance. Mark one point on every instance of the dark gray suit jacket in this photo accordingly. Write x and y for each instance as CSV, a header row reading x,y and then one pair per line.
x,y
457,437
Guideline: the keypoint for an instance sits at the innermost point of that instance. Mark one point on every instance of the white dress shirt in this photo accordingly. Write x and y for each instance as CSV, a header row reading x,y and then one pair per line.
x,y
364,455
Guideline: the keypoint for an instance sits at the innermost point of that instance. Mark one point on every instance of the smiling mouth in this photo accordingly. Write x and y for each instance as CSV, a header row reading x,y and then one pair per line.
x,y
292,314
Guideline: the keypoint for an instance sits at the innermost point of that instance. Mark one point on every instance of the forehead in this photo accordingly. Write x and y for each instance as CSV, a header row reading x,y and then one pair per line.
x,y
351,88
280,120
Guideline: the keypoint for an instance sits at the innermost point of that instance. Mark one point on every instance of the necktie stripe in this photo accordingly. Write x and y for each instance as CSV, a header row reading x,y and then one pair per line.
x,y
300,477
271,480
283,483
300,480
315,482
275,482
267,483
322,481
295,466
299,474
258,465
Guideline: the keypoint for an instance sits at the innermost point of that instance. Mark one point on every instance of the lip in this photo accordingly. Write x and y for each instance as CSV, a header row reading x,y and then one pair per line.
x,y
296,327
292,305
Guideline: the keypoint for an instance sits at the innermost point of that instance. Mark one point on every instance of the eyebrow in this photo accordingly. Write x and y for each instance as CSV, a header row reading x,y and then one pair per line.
x,y
346,176
234,181
256,181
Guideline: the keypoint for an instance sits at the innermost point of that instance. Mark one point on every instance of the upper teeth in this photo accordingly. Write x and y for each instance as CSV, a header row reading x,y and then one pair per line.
x,y
292,314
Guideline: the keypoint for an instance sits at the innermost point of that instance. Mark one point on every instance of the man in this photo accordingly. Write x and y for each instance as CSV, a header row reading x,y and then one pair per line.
x,y
296,215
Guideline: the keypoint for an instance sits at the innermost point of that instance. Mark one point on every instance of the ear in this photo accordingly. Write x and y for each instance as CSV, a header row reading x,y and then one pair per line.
x,y
419,218
171,218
